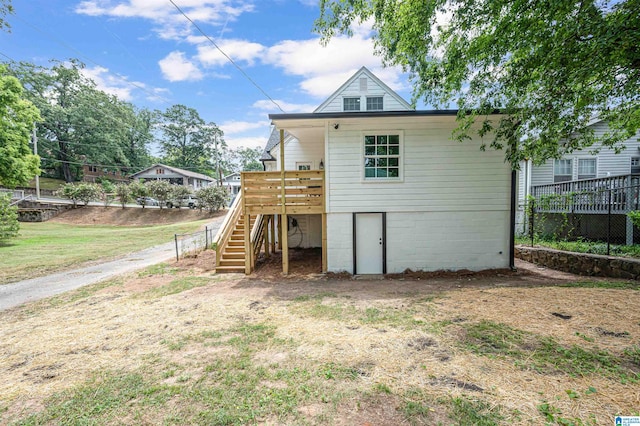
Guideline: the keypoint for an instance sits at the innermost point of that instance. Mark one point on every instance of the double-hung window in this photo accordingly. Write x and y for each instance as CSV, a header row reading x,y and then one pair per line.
x,y
587,168
374,103
382,156
562,170
351,104
635,165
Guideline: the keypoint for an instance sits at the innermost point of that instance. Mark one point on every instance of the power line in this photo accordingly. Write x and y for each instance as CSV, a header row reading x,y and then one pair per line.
x,y
227,56
67,46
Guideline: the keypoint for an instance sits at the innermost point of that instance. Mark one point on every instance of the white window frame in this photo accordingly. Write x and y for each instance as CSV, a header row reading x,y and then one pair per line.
x,y
375,97
595,168
353,98
364,156
631,161
555,174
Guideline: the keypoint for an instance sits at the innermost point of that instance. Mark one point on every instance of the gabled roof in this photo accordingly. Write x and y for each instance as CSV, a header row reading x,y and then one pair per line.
x,y
274,140
360,73
176,170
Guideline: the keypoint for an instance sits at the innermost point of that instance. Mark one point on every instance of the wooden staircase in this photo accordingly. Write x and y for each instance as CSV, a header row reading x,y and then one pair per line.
x,y
233,254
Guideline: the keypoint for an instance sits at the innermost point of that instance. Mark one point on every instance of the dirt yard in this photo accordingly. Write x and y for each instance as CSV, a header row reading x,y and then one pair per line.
x,y
129,216
176,344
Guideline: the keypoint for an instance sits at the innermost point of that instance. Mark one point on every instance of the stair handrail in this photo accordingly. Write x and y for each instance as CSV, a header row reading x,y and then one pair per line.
x,y
257,232
226,228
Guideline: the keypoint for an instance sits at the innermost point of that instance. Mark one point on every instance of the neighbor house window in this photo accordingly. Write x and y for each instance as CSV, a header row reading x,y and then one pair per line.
x,y
382,156
635,165
374,103
562,170
587,168
351,104
159,171
303,166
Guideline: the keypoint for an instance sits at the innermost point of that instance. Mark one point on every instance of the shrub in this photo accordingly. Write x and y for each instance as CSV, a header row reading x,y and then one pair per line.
x,y
9,225
160,190
212,197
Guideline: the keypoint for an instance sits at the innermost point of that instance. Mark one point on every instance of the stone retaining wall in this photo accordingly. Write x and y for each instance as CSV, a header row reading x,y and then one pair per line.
x,y
581,263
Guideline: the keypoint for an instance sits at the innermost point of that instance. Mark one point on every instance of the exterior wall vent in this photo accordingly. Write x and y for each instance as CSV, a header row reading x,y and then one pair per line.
x,y
363,84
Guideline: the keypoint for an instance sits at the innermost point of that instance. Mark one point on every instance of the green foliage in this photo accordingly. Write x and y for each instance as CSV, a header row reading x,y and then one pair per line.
x,y
18,165
635,218
82,124
81,191
178,192
552,415
247,159
5,9
138,190
466,411
123,191
9,225
187,140
159,189
212,197
548,66
108,189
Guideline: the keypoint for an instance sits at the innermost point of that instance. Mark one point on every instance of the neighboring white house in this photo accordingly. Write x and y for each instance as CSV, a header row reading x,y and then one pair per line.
x,y
174,176
232,183
399,192
579,165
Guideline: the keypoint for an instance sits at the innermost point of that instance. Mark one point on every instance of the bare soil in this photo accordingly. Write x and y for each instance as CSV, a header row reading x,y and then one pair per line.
x,y
131,216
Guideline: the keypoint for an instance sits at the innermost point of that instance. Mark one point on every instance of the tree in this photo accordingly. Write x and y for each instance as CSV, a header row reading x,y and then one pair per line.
x,y
5,9
248,159
9,225
123,191
160,190
212,197
81,191
139,191
550,67
82,124
17,116
188,141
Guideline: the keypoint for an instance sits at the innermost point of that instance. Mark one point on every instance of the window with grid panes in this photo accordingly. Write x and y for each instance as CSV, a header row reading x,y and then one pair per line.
x,y
635,165
351,104
562,171
586,168
374,103
382,156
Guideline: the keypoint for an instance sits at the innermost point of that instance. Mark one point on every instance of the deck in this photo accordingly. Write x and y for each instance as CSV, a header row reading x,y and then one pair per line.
x,y
608,195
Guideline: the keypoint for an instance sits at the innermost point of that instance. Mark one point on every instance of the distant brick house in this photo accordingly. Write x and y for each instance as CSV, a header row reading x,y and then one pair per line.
x,y
91,173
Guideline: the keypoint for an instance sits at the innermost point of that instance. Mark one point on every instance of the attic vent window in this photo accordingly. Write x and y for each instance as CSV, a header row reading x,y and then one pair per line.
x,y
374,103
363,84
351,104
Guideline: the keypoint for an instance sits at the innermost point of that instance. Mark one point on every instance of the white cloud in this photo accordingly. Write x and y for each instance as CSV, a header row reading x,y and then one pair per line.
x,y
120,86
238,50
325,68
288,107
247,142
176,67
170,24
235,127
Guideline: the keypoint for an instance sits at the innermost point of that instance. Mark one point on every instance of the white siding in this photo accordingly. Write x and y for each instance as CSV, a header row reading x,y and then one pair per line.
x,y
450,211
608,162
309,151
307,233
439,174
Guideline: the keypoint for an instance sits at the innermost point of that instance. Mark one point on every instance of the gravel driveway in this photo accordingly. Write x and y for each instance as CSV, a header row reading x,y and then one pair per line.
x,y
20,292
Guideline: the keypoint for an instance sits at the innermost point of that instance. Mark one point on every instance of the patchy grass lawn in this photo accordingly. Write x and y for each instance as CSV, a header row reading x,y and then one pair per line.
x,y
171,345
45,247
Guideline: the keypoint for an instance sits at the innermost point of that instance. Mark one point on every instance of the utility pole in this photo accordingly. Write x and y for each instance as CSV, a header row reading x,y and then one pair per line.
x,y
35,151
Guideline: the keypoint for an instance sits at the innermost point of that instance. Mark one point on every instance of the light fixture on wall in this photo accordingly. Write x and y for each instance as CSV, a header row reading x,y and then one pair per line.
x,y
321,165
336,125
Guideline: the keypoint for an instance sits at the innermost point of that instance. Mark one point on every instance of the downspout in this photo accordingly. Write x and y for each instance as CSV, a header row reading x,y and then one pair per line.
x,y
512,227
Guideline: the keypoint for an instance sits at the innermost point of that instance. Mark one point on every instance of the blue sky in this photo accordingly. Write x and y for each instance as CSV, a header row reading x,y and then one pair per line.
x,y
147,53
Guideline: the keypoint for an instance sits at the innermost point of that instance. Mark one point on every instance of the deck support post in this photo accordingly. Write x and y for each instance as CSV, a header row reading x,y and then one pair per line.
x,y
324,242
283,201
247,244
266,237
273,233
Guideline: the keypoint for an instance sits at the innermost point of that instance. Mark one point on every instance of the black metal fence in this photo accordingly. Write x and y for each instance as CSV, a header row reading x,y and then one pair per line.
x,y
193,243
592,214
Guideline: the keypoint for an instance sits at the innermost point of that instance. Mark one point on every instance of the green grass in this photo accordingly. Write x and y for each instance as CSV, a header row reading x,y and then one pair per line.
x,y
621,285
544,354
177,286
45,247
47,183
466,411
592,247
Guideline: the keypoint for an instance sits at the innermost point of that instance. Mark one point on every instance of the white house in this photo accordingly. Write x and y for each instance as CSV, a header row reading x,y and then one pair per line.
x,y
594,162
397,192
232,183
174,176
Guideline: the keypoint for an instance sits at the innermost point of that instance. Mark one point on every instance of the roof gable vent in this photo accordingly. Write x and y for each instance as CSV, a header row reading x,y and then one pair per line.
x,y
363,84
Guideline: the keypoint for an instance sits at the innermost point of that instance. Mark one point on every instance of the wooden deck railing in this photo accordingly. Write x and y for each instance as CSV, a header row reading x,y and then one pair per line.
x,y
303,192
614,194
226,228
